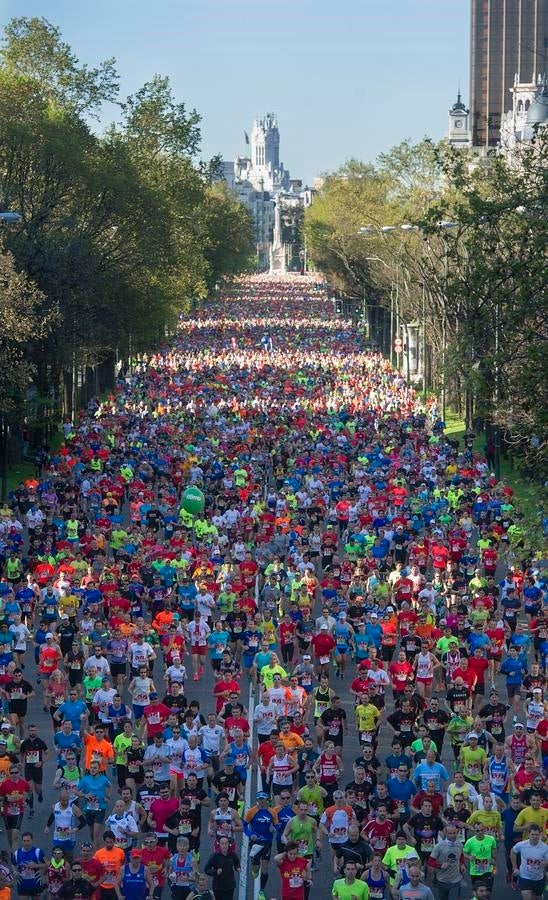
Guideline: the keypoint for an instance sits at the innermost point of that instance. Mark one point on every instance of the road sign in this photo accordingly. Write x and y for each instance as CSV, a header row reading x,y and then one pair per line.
x,y
398,345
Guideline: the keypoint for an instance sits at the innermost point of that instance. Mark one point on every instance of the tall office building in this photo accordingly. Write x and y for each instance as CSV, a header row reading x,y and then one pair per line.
x,y
508,37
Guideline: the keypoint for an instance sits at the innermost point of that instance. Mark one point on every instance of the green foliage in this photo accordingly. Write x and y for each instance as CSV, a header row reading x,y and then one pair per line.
x,y
23,324
118,233
479,288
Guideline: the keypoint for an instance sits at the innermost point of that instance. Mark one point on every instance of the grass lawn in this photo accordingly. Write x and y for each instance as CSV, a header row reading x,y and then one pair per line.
x,y
20,471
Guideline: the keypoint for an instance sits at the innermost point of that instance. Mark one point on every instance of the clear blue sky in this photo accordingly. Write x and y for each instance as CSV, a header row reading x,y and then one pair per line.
x,y
347,78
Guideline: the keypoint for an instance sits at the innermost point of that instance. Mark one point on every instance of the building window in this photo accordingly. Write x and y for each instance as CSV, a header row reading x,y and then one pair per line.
x,y
520,106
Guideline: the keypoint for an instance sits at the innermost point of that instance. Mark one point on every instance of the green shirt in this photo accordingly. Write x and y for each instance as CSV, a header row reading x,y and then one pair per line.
x,y
344,891
303,834
395,859
91,686
121,744
481,853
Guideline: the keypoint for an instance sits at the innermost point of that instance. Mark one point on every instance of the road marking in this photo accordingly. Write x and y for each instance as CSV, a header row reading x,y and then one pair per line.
x,y
244,861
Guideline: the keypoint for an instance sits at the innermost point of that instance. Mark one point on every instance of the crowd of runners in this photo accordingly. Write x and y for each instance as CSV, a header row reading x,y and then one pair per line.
x,y
354,608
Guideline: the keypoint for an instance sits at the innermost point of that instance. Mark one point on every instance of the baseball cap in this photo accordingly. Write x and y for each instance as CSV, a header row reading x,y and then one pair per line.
x,y
135,853
374,615
48,635
230,761
261,795
472,735
323,627
307,655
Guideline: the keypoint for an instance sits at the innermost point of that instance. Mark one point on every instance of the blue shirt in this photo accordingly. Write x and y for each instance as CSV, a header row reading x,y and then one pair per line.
x,y
260,826
477,640
21,858
425,773
401,791
96,787
218,641
72,710
513,669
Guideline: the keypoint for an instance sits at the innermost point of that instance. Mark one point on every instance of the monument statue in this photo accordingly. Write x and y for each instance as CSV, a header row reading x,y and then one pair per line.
x,y
277,249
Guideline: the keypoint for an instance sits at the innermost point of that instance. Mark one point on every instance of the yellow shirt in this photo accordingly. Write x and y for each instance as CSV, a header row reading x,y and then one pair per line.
x,y
268,672
489,818
367,716
530,816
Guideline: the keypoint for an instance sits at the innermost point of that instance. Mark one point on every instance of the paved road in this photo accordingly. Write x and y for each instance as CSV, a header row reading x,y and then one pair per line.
x,y
202,691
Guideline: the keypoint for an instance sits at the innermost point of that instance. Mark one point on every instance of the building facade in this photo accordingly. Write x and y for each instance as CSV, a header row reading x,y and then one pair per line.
x,y
507,36
261,182
520,123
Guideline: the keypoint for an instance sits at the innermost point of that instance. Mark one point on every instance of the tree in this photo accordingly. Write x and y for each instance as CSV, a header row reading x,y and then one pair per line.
x,y
33,49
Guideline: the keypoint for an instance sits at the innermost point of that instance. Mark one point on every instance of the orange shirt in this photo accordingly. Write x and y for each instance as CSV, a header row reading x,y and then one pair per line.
x,y
5,763
291,741
424,630
97,751
112,861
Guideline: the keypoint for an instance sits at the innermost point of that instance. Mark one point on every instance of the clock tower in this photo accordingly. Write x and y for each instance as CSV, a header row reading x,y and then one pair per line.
x,y
459,131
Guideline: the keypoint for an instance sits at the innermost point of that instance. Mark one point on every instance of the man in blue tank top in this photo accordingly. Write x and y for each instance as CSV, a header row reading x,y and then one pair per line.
x,y
134,880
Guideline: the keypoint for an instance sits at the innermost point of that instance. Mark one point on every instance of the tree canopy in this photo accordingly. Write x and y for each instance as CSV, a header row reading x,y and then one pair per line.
x,y
465,257
119,232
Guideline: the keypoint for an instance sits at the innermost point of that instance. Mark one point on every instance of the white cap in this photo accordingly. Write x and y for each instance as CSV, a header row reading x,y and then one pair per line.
x,y
49,635
323,627
374,615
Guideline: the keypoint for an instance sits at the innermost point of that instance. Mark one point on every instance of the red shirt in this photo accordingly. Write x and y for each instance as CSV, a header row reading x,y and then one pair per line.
x,y
542,731
478,666
440,555
155,860
469,677
496,636
490,557
292,875
13,791
287,632
323,644
92,869
224,687
232,723
379,834
265,753
360,684
156,715
435,799
400,674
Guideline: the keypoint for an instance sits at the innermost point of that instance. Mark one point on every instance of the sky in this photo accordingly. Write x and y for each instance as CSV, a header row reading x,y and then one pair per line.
x,y
346,78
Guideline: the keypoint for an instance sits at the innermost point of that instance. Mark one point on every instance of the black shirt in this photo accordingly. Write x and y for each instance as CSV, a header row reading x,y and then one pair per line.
x,y
457,696
34,746
494,715
403,723
332,720
425,830
75,886
229,783
229,864
354,851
